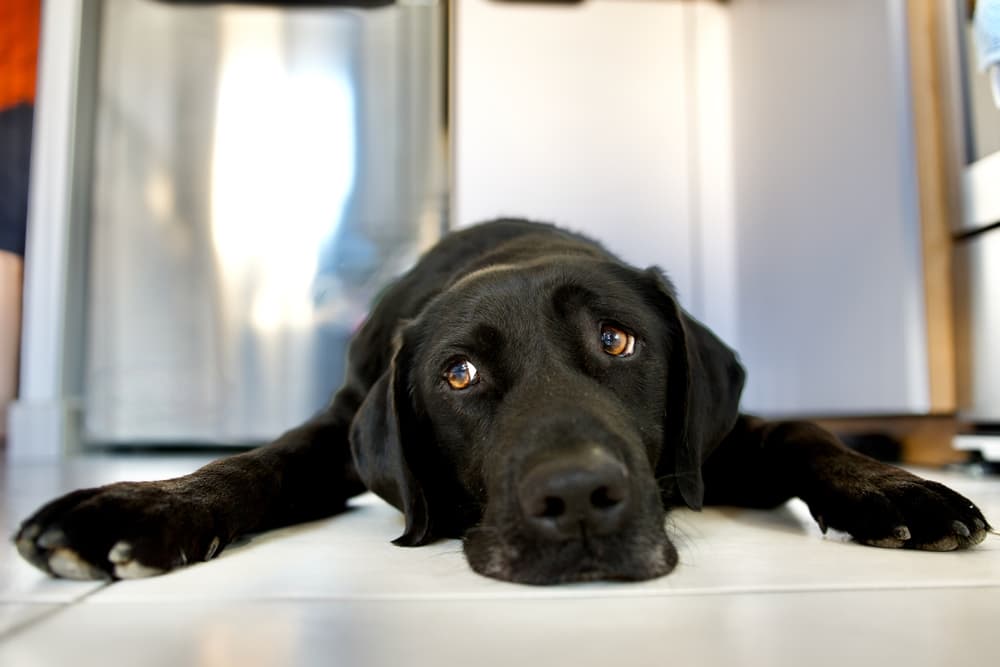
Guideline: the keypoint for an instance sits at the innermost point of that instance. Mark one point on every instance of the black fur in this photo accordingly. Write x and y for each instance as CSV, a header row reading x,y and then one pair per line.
x,y
524,303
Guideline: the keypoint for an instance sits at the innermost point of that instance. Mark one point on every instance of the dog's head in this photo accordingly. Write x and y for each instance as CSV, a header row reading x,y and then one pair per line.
x,y
549,414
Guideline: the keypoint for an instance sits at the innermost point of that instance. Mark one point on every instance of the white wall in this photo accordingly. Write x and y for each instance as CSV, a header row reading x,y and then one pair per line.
x,y
588,116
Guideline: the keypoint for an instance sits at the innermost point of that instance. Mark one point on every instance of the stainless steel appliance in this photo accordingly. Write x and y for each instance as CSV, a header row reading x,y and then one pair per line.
x,y
258,173
977,233
239,182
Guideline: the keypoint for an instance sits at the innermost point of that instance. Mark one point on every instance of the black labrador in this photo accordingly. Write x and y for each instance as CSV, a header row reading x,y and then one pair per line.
x,y
526,391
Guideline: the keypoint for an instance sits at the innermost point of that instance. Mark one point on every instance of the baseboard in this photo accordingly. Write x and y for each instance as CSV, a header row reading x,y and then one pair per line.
x,y
925,440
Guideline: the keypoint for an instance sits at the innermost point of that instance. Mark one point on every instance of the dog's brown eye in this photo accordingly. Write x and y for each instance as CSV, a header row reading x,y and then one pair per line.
x,y
616,342
461,374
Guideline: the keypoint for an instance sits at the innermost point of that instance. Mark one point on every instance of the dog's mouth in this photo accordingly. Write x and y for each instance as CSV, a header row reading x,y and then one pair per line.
x,y
572,499
636,555
586,512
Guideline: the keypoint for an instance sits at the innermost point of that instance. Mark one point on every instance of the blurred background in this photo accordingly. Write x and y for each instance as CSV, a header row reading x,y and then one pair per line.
x,y
214,193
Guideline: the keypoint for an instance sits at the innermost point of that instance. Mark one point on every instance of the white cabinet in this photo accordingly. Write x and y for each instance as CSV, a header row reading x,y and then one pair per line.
x,y
762,151
578,115
831,296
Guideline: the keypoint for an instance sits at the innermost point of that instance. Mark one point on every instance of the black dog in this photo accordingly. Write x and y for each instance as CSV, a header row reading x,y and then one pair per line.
x,y
522,389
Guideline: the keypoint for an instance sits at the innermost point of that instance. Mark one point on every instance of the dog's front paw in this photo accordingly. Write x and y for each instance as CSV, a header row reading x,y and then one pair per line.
x,y
883,506
121,531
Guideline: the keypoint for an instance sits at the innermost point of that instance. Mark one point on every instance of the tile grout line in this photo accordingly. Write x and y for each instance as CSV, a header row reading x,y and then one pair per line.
x,y
57,609
475,597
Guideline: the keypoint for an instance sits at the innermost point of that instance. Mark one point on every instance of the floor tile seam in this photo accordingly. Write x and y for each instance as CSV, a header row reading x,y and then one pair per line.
x,y
57,608
506,597
53,597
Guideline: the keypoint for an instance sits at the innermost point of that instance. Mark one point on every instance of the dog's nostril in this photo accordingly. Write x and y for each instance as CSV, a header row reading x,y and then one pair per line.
x,y
554,507
602,498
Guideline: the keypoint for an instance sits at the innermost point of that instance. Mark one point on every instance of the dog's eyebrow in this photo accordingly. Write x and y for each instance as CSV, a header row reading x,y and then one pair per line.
x,y
478,339
572,292
622,304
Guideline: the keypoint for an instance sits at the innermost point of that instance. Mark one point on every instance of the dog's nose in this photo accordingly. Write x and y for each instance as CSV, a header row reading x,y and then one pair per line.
x,y
582,494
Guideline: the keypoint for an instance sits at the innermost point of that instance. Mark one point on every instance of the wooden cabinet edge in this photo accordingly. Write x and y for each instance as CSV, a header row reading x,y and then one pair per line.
x,y
938,196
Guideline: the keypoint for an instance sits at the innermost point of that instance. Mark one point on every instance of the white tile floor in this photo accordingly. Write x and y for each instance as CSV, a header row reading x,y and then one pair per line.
x,y
753,588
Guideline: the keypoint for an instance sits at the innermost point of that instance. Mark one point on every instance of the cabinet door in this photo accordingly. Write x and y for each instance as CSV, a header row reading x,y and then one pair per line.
x,y
577,115
831,300
979,268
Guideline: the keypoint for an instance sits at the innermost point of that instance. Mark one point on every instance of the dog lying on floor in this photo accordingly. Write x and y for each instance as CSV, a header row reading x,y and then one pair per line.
x,y
526,391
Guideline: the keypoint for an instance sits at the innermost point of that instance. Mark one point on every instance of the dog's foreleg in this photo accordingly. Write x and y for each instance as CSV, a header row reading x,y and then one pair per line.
x,y
762,464
134,529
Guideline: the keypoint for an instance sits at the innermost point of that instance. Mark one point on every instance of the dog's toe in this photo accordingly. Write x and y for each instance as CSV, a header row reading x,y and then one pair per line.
x,y
25,543
128,567
898,539
120,553
961,536
947,543
978,532
949,520
66,563
136,570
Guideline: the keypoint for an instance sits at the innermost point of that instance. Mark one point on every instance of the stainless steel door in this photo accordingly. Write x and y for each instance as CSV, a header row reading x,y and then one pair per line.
x,y
979,327
258,174
982,133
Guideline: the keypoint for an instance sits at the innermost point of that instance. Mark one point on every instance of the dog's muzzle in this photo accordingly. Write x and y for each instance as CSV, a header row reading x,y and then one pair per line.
x,y
579,495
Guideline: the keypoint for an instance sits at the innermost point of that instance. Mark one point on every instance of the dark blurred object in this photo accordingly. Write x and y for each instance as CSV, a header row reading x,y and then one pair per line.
x,y
976,466
15,163
876,445
19,21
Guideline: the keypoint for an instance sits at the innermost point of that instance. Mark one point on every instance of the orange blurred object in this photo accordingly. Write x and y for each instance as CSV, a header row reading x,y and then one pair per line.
x,y
19,23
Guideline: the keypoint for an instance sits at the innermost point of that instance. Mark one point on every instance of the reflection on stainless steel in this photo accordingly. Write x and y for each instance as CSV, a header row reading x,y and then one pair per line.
x,y
258,175
979,310
978,246
981,129
984,117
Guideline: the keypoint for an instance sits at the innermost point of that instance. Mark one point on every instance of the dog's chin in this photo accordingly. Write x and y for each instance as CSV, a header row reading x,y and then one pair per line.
x,y
514,558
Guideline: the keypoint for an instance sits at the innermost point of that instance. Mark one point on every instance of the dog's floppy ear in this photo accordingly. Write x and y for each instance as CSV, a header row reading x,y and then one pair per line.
x,y
382,423
705,380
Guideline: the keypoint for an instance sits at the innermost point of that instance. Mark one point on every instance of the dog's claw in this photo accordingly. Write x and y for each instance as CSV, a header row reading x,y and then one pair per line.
x,y
949,543
960,528
212,548
901,533
822,524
